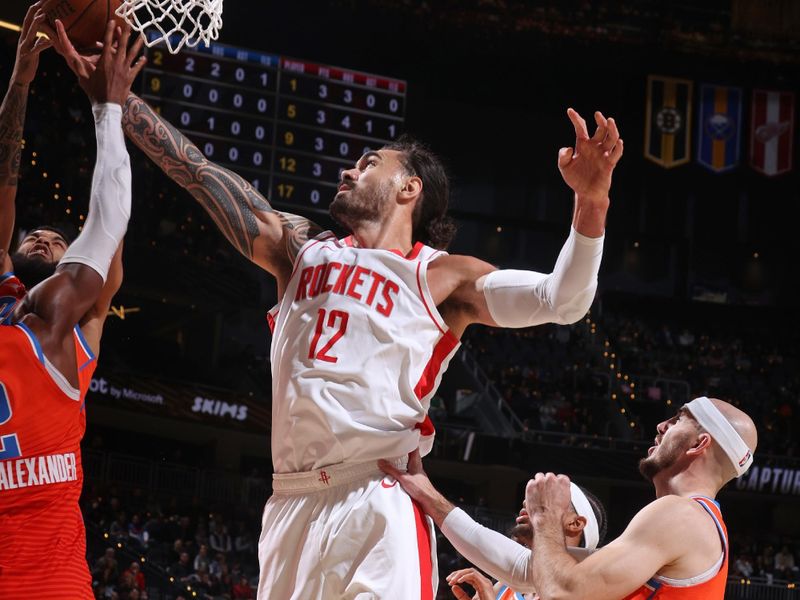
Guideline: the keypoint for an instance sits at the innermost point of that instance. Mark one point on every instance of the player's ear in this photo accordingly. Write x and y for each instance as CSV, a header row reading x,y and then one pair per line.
x,y
702,443
574,525
411,190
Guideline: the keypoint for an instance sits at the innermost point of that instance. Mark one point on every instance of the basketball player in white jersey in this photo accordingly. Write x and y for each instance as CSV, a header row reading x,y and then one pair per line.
x,y
364,329
363,332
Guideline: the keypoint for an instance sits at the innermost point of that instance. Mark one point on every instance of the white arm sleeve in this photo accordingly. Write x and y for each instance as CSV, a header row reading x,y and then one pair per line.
x,y
527,298
499,556
110,201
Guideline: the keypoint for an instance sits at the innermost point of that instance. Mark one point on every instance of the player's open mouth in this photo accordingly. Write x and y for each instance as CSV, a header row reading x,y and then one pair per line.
x,y
40,251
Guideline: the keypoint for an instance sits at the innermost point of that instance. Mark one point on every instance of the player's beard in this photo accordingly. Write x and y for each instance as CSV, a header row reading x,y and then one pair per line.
x,y
665,455
31,270
360,205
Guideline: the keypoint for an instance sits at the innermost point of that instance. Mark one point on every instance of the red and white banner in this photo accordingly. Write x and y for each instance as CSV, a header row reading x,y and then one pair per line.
x,y
772,131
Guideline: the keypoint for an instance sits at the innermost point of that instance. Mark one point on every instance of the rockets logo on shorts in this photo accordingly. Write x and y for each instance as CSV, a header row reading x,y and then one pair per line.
x,y
358,349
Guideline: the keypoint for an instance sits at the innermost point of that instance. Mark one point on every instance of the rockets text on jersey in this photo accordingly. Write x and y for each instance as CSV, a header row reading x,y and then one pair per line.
x,y
358,349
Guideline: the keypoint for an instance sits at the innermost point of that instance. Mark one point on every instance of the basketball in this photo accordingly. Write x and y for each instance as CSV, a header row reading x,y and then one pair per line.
x,y
84,20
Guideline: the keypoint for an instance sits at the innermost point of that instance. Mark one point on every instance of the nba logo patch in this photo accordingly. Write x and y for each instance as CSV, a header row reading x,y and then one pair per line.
x,y
771,130
719,127
669,121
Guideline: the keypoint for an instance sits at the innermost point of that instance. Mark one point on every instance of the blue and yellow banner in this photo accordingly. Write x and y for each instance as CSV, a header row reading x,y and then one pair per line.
x,y
719,127
669,121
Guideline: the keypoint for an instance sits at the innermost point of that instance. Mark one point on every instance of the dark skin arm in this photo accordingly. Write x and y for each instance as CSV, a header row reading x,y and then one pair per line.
x,y
12,122
93,321
76,293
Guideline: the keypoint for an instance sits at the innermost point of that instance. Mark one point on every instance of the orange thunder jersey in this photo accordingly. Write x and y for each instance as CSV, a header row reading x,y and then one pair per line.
x,y
42,421
711,585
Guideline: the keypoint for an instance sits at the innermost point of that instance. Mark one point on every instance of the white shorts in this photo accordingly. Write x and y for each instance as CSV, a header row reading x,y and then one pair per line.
x,y
345,532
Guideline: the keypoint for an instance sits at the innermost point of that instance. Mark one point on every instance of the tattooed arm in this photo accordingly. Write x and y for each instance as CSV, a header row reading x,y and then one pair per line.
x,y
269,238
12,122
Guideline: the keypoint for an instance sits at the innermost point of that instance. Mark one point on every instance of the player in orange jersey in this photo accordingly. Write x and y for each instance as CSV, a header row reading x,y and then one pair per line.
x,y
48,347
39,252
584,525
675,548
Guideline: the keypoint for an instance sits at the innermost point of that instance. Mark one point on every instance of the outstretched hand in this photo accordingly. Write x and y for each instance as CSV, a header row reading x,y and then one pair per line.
x,y
484,590
108,76
31,44
415,482
587,167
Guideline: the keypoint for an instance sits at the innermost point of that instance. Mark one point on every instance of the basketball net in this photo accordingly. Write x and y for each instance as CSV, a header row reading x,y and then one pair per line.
x,y
174,22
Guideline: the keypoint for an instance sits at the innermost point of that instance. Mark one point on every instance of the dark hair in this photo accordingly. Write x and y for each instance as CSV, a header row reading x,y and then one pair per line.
x,y
31,271
600,514
67,238
432,226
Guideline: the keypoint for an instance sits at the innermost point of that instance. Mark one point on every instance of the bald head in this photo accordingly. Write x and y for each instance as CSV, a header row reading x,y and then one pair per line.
x,y
740,421
743,425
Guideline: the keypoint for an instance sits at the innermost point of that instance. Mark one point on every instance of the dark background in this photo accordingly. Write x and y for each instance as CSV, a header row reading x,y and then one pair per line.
x,y
488,86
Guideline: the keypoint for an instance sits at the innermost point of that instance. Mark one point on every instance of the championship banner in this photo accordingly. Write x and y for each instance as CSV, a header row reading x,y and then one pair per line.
x,y
669,121
719,127
771,131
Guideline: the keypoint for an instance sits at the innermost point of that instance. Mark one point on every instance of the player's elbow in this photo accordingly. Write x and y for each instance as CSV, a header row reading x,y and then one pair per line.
x,y
572,309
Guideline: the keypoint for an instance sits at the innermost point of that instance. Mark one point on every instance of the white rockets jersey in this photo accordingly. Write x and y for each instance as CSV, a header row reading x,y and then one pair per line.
x,y
358,349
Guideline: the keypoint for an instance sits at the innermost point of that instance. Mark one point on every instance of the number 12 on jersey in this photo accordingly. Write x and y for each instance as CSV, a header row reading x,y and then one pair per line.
x,y
333,317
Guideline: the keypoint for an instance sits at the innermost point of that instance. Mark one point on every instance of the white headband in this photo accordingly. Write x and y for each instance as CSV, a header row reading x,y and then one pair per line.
x,y
591,533
715,423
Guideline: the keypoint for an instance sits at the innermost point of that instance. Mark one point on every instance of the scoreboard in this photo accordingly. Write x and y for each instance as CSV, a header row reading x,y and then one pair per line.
x,y
289,126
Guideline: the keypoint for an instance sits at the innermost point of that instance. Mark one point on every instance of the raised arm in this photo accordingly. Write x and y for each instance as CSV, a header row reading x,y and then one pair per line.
x,y
487,549
83,275
12,122
517,298
661,535
268,237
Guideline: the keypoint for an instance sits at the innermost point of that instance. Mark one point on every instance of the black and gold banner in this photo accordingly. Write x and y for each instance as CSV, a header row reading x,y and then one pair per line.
x,y
669,121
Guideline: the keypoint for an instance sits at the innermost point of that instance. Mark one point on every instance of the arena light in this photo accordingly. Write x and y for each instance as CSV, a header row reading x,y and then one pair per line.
x,y
11,26
14,27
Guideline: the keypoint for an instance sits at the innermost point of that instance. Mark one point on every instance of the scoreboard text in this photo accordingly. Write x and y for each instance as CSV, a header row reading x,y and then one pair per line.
x,y
289,126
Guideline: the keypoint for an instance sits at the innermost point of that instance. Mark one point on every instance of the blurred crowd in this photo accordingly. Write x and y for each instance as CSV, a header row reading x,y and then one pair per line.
x,y
137,543
547,375
773,559
741,355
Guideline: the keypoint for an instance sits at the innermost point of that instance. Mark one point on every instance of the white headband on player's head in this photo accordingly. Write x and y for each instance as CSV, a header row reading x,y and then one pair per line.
x,y
591,532
714,422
